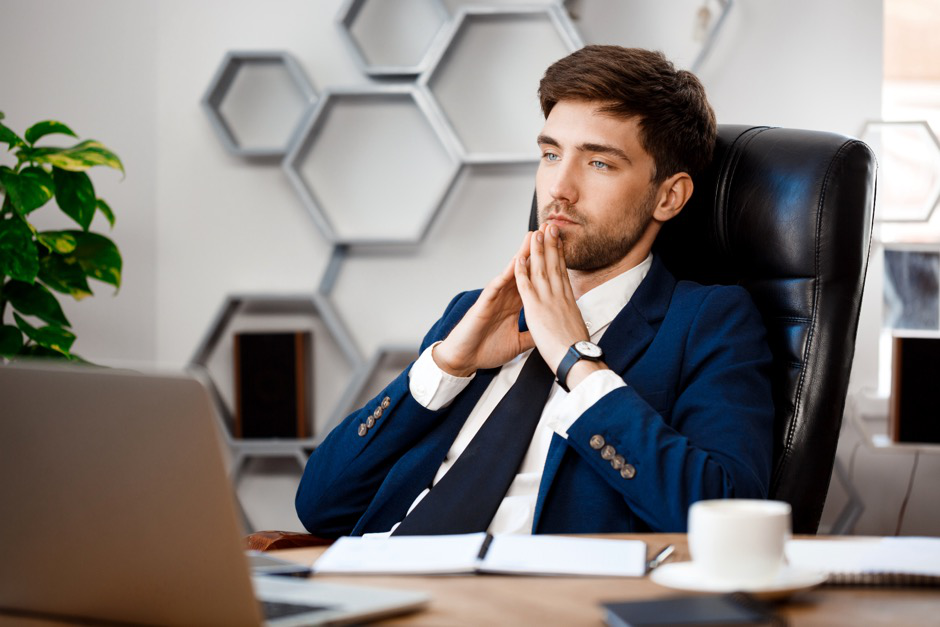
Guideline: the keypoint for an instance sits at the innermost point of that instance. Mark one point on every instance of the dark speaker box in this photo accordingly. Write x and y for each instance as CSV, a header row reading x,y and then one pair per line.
x,y
272,396
914,414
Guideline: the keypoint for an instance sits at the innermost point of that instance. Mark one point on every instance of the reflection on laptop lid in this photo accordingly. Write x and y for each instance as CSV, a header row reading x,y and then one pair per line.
x,y
116,507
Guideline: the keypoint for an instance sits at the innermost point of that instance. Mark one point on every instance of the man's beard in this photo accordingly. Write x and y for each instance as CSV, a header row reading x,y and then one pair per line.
x,y
596,249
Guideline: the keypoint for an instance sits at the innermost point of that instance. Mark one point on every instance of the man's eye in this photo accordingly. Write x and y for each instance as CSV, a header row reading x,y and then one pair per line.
x,y
550,156
600,165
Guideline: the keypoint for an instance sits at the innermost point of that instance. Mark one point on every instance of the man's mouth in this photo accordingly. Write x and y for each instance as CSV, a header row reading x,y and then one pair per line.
x,y
560,220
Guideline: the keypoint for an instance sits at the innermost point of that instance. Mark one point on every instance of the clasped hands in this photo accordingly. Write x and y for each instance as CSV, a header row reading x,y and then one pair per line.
x,y
536,278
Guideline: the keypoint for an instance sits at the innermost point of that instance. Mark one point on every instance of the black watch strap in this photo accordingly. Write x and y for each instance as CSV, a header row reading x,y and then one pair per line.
x,y
572,357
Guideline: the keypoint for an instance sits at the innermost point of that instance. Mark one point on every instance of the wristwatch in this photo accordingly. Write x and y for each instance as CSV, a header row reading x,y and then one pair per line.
x,y
577,352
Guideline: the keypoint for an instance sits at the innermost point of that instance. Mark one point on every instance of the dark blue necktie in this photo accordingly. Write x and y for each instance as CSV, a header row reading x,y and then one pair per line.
x,y
467,497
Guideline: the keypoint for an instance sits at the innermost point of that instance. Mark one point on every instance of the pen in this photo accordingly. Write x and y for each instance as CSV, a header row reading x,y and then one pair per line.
x,y
660,557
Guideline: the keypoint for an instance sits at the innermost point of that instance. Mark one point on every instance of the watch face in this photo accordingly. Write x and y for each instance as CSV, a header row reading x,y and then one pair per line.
x,y
588,349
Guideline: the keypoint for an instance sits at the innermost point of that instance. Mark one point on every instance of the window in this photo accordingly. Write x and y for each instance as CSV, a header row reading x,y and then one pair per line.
x,y
907,213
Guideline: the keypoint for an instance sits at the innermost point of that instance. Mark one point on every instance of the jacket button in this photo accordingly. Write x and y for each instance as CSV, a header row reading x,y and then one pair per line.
x,y
363,429
370,422
386,402
608,452
377,413
628,471
597,442
617,462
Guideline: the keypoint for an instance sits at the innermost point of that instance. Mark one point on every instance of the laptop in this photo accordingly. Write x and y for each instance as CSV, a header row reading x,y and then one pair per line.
x,y
115,507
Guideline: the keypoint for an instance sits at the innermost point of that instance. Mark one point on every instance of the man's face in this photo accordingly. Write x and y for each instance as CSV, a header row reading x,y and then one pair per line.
x,y
594,183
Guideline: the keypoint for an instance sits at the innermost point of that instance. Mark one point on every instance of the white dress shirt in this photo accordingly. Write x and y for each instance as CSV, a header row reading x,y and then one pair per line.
x,y
435,389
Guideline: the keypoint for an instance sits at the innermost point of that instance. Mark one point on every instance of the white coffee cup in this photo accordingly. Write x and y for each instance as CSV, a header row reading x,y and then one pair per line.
x,y
739,542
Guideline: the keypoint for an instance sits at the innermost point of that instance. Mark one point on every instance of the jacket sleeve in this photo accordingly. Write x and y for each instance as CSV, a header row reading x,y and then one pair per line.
x,y
714,440
346,470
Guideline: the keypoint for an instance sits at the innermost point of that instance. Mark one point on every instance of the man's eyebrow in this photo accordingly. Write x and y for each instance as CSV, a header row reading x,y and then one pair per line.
x,y
606,149
545,139
588,147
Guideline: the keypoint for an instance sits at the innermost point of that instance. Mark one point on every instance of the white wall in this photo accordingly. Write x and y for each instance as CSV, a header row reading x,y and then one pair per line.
x,y
91,65
195,223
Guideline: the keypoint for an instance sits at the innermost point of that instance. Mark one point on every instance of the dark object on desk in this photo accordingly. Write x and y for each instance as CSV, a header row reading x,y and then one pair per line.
x,y
728,609
264,564
914,413
272,393
787,214
275,540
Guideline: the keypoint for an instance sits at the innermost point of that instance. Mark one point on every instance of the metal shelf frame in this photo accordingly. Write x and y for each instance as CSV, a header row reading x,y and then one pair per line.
x,y
222,83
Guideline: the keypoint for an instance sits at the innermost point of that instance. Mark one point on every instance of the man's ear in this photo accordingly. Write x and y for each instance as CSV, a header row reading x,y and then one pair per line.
x,y
674,192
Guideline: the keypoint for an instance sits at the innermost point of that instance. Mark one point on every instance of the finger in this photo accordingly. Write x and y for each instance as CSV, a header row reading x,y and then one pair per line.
x,y
523,280
553,264
563,264
537,261
523,251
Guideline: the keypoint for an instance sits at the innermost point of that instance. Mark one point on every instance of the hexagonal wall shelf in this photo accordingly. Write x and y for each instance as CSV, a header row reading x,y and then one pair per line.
x,y
685,32
485,80
333,354
391,37
909,169
373,165
257,101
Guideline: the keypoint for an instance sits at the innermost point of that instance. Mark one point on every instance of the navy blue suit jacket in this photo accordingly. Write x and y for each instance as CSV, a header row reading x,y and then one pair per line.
x,y
695,421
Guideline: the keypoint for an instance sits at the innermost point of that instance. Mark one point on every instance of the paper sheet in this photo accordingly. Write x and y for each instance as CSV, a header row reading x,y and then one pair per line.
x,y
909,555
558,555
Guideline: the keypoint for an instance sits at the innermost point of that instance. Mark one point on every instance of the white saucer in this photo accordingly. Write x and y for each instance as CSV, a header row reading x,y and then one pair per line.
x,y
685,576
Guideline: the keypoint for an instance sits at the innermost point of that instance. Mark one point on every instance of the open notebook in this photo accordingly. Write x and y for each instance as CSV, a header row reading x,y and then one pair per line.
x,y
483,553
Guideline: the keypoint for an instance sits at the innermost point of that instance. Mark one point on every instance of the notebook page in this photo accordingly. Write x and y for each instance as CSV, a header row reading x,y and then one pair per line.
x,y
402,555
908,555
918,556
559,555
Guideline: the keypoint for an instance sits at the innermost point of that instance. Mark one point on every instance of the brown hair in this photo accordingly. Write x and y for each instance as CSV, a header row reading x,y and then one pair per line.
x,y
677,125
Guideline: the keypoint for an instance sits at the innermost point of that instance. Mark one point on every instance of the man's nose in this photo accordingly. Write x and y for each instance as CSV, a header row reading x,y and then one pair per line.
x,y
564,185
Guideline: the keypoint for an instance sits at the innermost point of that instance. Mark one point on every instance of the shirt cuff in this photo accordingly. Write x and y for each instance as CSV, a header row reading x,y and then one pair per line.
x,y
590,390
433,388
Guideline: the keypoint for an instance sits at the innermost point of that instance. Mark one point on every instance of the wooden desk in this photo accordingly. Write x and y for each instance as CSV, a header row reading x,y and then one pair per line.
x,y
512,600
571,601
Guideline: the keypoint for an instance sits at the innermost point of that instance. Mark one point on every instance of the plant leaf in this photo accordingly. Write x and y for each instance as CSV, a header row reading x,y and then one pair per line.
x,y
57,241
28,189
75,194
10,138
34,351
51,337
105,209
19,258
78,158
49,127
64,274
98,256
35,300
11,340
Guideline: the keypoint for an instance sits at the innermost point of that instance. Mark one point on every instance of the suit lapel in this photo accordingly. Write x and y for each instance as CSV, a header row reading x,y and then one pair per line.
x,y
628,336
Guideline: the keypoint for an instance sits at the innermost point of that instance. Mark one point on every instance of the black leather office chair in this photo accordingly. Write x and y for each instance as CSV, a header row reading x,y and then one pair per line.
x,y
787,214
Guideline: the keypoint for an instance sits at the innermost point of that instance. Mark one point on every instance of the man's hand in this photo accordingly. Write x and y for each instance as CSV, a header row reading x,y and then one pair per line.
x,y
551,312
488,335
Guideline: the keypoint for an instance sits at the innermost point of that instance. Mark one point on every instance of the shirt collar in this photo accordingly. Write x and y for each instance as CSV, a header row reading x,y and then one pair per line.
x,y
601,305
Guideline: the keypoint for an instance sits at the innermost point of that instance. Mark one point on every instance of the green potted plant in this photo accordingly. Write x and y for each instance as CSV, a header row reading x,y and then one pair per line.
x,y
36,264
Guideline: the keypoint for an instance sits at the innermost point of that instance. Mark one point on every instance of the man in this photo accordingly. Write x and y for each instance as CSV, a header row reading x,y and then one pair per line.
x,y
584,390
